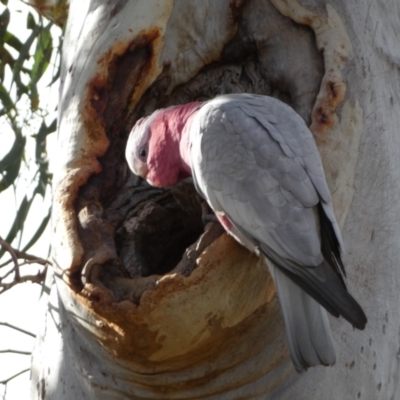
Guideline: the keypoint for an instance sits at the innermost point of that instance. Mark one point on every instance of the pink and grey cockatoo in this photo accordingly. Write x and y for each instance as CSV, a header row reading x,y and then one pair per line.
x,y
256,163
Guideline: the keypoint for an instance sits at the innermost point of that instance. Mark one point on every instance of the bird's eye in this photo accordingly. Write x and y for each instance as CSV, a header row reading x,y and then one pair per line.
x,y
143,153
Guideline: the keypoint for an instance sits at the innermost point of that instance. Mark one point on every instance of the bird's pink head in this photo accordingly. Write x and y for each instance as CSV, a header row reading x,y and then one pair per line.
x,y
158,145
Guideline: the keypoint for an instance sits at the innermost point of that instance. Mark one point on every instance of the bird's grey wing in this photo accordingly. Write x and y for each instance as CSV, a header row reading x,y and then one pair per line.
x,y
262,181
281,122
241,168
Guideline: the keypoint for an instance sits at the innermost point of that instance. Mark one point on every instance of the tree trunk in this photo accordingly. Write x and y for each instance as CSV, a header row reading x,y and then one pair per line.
x,y
132,314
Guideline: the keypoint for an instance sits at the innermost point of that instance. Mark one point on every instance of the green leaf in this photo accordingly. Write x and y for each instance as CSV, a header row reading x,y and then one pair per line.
x,y
38,232
5,99
52,127
10,174
43,181
56,76
41,156
14,153
4,21
5,2
6,58
41,139
40,142
12,41
41,60
30,21
24,55
19,221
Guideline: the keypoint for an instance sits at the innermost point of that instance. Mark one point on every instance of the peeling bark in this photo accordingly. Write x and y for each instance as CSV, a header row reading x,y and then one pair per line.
x,y
149,302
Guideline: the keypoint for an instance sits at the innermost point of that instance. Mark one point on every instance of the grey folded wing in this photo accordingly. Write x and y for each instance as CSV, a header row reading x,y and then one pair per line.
x,y
255,160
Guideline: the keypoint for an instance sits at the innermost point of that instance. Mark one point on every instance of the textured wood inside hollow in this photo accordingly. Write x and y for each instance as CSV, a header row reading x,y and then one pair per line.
x,y
180,314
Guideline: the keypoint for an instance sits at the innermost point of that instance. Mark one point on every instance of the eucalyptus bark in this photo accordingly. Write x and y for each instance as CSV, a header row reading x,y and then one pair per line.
x,y
146,302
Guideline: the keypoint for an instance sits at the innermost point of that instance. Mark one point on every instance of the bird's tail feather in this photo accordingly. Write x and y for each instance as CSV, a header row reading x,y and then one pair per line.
x,y
307,327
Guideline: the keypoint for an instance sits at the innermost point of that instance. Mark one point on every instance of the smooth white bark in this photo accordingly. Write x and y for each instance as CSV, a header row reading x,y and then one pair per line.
x,y
87,349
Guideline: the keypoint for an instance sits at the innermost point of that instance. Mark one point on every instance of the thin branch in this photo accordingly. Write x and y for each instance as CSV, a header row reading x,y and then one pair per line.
x,y
32,258
25,353
34,261
28,259
10,250
5,381
24,256
17,328
38,278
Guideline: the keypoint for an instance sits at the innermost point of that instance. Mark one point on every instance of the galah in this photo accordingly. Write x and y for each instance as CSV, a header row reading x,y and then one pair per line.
x,y
256,163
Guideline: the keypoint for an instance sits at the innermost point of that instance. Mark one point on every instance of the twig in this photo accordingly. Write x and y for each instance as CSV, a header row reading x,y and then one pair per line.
x,y
17,328
20,265
25,353
38,278
34,261
5,381
8,248
29,258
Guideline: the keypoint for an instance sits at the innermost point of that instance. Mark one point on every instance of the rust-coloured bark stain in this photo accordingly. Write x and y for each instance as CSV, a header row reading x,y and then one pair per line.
x,y
323,115
107,113
109,94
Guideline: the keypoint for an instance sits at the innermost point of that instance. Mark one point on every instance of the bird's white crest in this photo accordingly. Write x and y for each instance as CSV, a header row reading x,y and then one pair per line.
x,y
138,138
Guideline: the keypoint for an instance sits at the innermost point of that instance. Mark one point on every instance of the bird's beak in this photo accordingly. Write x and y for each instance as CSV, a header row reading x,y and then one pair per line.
x,y
151,181
141,170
